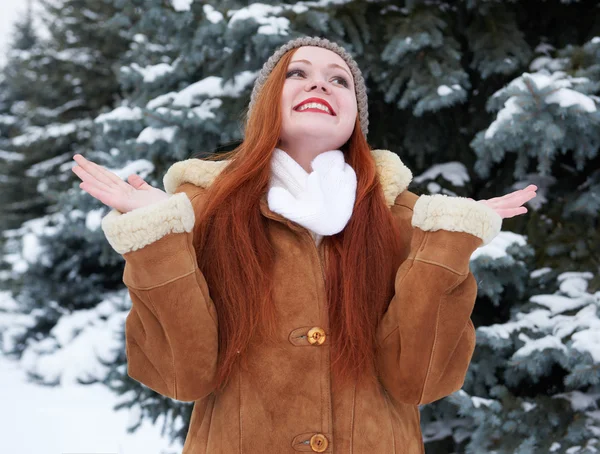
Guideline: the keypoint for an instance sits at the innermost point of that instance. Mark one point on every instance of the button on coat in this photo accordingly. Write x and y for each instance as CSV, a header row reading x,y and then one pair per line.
x,y
316,336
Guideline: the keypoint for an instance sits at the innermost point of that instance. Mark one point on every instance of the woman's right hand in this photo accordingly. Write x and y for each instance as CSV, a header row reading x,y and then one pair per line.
x,y
111,190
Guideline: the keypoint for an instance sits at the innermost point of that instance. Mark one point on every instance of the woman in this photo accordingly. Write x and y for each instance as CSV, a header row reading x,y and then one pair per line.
x,y
297,292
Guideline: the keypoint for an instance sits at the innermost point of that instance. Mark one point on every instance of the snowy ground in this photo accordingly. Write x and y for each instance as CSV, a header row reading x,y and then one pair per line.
x,y
74,419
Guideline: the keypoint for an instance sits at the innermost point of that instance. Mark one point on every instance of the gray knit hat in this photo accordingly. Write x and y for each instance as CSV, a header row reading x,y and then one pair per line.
x,y
359,82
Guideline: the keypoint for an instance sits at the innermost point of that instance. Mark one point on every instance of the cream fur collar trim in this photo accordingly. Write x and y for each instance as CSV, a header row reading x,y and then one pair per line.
x,y
393,174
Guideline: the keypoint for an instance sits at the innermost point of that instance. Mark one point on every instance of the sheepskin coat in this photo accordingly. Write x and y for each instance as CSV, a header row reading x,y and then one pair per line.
x,y
288,401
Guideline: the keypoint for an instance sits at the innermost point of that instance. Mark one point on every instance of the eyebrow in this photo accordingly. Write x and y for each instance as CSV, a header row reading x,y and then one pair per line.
x,y
330,65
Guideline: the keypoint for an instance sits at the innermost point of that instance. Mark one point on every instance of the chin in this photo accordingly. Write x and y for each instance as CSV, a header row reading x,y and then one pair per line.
x,y
313,129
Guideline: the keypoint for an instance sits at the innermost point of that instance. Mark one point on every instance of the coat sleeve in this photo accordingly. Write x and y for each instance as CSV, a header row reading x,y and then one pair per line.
x,y
426,338
171,330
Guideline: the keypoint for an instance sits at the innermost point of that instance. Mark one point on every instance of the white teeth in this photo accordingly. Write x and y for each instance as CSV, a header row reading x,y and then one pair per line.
x,y
314,105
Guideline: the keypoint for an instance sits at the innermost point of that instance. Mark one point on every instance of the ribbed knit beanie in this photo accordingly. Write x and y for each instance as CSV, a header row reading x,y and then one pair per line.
x,y
359,82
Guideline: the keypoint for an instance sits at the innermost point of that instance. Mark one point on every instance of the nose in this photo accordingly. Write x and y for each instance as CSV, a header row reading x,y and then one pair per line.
x,y
317,84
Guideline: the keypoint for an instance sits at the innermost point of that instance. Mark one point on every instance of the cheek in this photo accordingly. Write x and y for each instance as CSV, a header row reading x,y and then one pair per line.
x,y
287,95
350,107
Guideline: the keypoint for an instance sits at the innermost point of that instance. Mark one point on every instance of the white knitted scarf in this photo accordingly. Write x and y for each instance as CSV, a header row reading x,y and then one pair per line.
x,y
322,201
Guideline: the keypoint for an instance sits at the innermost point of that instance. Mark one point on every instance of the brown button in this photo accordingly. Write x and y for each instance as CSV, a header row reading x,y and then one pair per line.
x,y
318,443
316,336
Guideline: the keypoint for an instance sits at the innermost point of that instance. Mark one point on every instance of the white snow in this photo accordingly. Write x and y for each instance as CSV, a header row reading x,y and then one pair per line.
x,y
539,272
13,10
505,116
574,284
560,303
551,64
528,406
161,100
182,5
7,119
579,401
455,172
204,110
554,324
209,86
567,98
497,247
151,134
561,92
479,401
445,90
152,72
212,14
121,113
49,165
36,133
265,14
142,167
274,26
30,249
212,86
11,323
11,156
544,48
589,340
93,219
434,188
541,344
70,419
77,342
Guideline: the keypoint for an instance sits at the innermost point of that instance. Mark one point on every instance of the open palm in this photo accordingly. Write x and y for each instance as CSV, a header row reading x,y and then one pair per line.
x,y
111,190
510,205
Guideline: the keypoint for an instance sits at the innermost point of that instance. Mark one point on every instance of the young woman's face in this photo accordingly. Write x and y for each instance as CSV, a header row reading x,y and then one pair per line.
x,y
315,72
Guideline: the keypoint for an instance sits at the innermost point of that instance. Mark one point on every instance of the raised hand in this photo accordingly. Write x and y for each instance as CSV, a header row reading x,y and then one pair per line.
x,y
111,190
510,205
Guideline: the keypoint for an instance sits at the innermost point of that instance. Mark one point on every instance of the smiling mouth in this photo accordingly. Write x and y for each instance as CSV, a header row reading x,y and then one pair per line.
x,y
315,105
315,110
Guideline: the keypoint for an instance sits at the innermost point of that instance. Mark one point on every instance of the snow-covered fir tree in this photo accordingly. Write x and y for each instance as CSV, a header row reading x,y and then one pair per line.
x,y
479,98
55,88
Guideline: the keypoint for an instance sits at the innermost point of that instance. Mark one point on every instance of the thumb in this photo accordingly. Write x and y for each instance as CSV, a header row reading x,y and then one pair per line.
x,y
137,182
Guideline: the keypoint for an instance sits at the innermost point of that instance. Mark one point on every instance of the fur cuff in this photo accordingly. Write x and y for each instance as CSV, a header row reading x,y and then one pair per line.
x,y
456,214
127,232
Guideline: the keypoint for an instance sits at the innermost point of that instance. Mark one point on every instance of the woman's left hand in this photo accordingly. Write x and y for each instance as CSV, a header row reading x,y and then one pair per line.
x,y
510,205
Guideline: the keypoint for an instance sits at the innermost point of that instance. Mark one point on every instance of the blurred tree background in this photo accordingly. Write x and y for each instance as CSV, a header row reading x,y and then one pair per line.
x,y
478,97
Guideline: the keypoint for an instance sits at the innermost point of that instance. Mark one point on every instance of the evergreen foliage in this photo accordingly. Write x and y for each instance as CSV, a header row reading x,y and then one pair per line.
x,y
478,97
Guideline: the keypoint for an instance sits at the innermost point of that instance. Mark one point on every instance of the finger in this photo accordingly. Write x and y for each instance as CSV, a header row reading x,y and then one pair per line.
x,y
514,199
511,212
104,197
92,170
136,181
89,179
515,194
99,172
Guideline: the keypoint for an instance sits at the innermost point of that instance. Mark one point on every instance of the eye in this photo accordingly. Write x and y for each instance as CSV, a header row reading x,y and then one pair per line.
x,y
294,71
343,80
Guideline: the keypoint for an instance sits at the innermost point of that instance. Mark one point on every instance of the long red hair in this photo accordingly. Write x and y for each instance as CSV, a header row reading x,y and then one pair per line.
x,y
360,261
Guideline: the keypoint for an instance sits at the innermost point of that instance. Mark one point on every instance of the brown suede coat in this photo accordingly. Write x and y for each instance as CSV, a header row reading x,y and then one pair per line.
x,y
288,402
